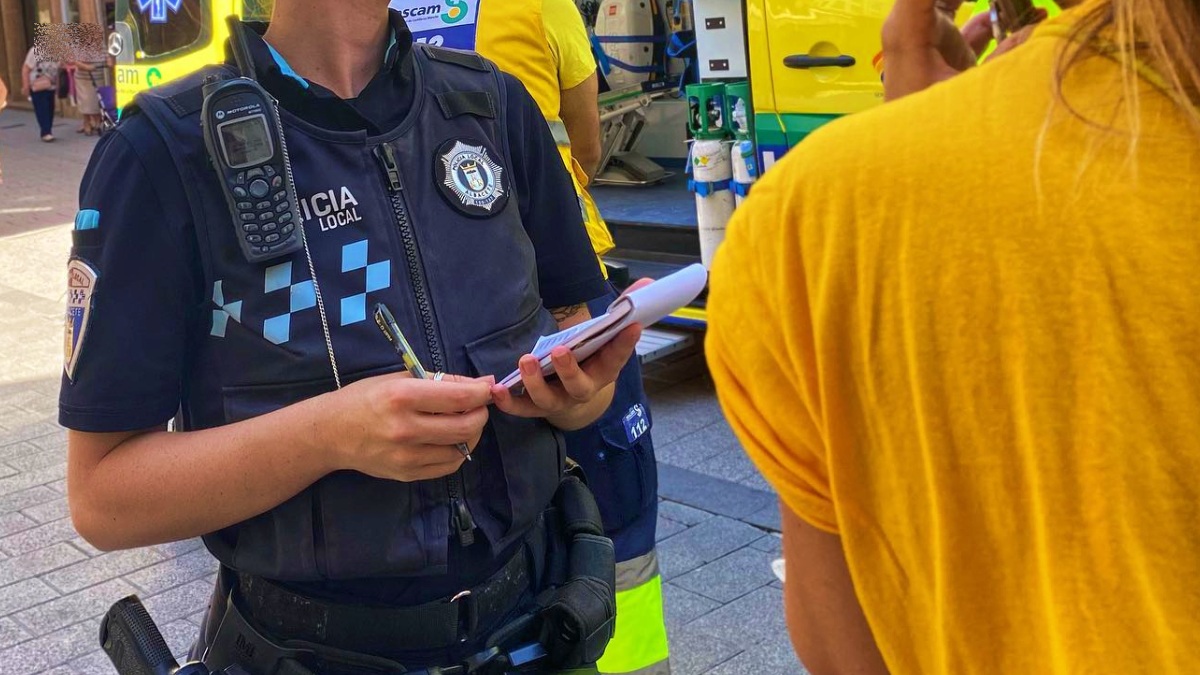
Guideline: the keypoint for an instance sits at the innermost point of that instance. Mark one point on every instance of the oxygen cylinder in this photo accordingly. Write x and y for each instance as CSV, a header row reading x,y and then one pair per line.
x,y
741,155
711,173
745,170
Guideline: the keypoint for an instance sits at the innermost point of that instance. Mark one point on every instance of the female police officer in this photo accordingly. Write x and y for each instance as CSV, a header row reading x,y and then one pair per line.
x,y
328,485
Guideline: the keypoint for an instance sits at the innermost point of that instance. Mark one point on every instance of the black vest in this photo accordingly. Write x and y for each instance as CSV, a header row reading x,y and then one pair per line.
x,y
442,244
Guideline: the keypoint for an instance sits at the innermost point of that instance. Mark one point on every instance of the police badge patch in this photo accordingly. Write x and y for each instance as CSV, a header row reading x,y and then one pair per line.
x,y
81,286
469,179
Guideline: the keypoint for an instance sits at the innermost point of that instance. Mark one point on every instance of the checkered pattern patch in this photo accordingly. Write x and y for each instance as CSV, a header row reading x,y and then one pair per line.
x,y
278,329
224,311
378,276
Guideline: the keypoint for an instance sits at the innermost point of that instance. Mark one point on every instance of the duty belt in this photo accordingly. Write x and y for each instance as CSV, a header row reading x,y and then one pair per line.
x,y
434,625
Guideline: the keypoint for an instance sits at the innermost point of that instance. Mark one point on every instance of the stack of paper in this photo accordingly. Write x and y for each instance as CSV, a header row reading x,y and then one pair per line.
x,y
645,306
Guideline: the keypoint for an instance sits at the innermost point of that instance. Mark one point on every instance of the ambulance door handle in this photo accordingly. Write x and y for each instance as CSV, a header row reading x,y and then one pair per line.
x,y
804,61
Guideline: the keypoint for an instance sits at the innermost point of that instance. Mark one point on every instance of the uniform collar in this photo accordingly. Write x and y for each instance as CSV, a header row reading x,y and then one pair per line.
x,y
389,59
269,64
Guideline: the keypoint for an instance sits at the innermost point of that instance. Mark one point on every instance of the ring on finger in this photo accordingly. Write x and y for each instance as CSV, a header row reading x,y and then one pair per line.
x,y
437,377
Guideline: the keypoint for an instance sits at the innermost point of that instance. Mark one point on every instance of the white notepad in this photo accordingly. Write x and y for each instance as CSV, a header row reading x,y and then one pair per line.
x,y
645,306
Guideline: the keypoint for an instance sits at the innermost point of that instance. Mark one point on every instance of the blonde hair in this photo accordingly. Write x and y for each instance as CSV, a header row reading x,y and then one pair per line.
x,y
1156,39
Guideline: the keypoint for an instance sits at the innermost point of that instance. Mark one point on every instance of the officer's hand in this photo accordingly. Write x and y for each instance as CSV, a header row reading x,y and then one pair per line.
x,y
395,427
576,383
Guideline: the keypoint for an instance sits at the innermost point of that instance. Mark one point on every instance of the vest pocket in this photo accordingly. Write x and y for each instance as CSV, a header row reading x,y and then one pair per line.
x,y
526,453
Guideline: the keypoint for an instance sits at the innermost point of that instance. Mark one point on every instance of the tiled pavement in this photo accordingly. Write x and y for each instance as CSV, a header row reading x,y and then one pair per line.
x,y
716,527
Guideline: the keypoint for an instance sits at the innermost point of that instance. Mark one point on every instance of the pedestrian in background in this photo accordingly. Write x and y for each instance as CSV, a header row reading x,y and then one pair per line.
x,y
39,83
90,75
958,334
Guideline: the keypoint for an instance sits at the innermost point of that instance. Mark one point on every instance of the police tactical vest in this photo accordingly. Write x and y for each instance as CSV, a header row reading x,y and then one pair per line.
x,y
423,219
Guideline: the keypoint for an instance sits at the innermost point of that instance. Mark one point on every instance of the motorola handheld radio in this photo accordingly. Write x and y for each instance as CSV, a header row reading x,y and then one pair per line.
x,y
245,143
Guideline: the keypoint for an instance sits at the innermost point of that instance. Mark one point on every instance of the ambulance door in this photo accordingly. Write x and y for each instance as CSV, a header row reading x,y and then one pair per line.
x,y
811,61
820,54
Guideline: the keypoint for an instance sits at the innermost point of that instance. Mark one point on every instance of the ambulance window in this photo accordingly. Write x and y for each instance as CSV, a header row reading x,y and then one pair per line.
x,y
161,31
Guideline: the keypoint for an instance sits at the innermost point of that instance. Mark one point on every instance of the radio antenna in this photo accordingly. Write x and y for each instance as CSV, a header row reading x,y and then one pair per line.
x,y
241,51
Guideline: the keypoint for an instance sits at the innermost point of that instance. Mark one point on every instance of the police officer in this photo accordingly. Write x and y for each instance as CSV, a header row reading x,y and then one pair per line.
x,y
329,486
544,44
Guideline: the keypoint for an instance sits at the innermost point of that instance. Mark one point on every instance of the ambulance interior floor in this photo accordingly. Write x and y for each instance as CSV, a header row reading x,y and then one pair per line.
x,y
717,526
666,203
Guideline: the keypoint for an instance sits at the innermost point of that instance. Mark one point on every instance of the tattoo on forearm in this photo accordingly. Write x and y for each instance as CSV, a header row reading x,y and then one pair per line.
x,y
561,314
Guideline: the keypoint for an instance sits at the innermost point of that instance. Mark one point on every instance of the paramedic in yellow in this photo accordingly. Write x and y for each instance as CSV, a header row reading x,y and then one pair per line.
x,y
545,45
959,333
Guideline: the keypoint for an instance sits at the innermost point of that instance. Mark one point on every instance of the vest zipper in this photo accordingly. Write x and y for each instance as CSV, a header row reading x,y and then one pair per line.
x,y
461,521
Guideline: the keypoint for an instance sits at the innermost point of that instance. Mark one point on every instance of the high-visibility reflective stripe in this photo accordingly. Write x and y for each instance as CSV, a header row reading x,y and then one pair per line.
x,y
639,644
559,131
636,571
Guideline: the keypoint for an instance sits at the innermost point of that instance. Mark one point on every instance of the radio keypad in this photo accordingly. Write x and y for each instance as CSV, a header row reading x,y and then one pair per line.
x,y
267,223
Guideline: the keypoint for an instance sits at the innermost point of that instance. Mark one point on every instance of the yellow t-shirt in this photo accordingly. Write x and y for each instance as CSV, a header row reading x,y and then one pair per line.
x,y
962,331
569,44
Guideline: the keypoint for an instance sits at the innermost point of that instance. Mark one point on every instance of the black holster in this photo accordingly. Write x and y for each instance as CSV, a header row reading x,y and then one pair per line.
x,y
579,606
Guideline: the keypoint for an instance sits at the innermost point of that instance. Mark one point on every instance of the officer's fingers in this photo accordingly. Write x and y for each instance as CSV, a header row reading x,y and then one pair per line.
x,y
517,406
444,397
577,384
604,365
546,396
474,442
451,428
644,281
421,461
398,375
437,461
486,379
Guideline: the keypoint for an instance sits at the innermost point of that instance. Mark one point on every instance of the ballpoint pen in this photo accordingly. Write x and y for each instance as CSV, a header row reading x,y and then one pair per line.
x,y
391,330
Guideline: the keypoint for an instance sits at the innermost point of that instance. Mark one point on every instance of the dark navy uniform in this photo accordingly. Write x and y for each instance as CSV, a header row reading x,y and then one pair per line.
x,y
469,240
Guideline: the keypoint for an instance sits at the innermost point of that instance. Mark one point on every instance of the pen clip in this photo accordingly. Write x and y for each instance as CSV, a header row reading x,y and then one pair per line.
x,y
387,324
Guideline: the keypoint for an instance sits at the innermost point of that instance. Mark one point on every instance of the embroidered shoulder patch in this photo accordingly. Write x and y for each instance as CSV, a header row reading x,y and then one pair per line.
x,y
81,287
470,179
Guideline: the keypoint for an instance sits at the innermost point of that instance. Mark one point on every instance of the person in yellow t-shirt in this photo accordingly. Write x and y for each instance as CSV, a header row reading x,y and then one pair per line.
x,y
571,51
959,333
545,45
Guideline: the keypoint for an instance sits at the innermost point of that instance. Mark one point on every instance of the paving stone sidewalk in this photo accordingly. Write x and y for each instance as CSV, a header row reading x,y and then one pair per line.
x,y
717,526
